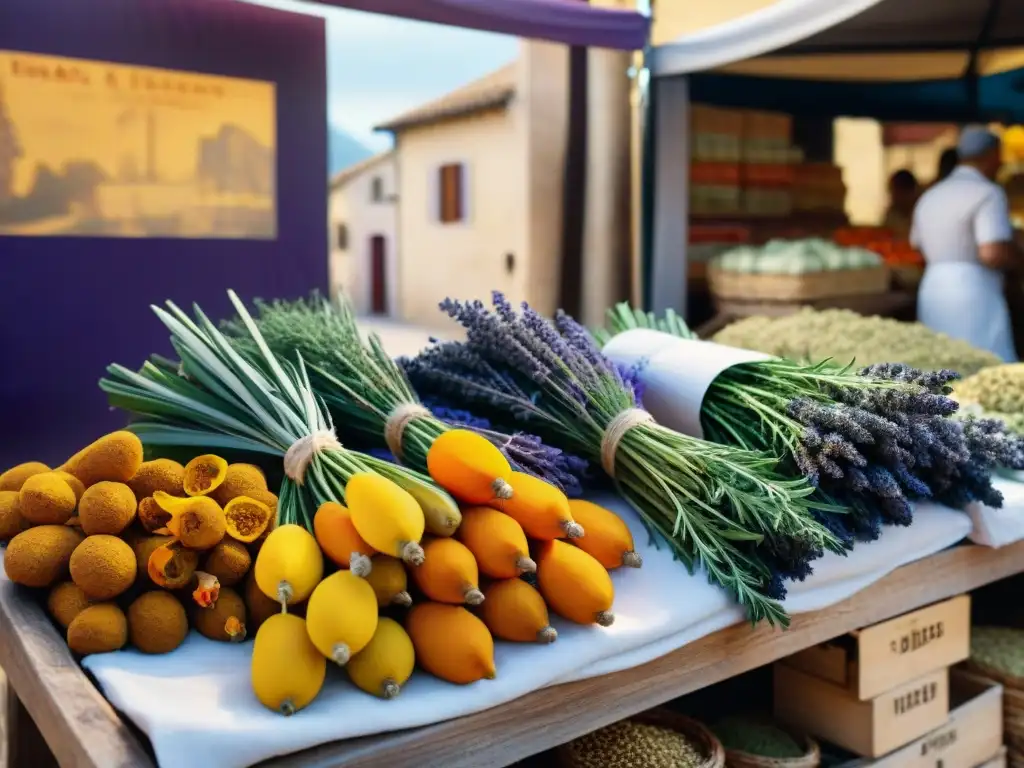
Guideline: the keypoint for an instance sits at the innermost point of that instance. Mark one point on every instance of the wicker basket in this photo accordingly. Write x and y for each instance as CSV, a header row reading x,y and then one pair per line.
x,y
811,758
1013,709
697,733
809,286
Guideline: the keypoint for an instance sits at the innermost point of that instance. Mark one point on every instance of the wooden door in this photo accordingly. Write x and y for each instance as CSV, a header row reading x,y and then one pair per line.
x,y
378,275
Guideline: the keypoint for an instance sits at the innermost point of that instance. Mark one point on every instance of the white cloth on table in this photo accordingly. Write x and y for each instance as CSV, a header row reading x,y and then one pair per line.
x,y
958,295
1005,525
197,708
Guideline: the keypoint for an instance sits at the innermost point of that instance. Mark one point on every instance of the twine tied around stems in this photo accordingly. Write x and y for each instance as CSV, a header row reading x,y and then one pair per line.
x,y
616,430
298,457
398,420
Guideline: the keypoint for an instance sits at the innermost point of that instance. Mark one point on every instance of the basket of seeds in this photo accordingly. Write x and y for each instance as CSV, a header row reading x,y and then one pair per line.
x,y
997,653
756,741
659,738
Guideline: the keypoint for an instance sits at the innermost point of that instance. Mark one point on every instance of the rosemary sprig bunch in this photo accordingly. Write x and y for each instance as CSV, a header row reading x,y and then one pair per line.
x,y
873,439
712,503
220,399
366,390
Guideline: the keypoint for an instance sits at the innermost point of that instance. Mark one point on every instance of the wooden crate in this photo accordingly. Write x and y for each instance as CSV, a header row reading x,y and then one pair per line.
x,y
867,728
876,659
973,735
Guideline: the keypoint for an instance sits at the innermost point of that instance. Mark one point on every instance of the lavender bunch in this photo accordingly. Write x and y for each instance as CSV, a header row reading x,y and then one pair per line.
x,y
526,453
368,395
713,504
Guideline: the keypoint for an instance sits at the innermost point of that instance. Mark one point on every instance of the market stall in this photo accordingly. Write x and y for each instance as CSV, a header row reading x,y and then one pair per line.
x,y
171,589
887,59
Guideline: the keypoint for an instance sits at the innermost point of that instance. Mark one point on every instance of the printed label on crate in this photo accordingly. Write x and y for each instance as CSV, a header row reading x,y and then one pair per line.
x,y
918,638
913,699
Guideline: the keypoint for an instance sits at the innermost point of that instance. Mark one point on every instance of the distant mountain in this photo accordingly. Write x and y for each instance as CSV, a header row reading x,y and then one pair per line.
x,y
343,151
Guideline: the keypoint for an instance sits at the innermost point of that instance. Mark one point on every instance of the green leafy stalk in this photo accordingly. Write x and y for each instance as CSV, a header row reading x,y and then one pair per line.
x,y
221,399
357,379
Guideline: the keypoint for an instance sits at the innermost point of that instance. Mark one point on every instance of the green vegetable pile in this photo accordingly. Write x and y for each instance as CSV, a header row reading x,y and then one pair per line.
x,y
846,337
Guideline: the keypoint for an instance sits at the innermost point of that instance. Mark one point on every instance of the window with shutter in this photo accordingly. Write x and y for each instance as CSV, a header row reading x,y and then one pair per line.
x,y
342,237
450,198
377,189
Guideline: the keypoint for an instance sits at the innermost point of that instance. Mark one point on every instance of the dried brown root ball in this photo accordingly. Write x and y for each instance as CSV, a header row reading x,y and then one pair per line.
x,y
98,629
45,499
15,477
172,566
246,519
65,602
103,566
229,562
259,607
225,620
157,622
11,521
151,516
115,457
240,480
158,475
144,547
40,556
204,474
198,522
73,482
106,507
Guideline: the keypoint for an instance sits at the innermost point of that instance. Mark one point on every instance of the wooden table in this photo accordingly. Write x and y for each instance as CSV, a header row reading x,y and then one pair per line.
x,y
84,731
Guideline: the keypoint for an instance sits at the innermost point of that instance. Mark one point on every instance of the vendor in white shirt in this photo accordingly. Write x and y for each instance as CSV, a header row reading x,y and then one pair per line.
x,y
962,226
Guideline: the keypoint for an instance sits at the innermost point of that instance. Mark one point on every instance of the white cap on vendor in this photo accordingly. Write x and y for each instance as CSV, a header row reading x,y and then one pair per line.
x,y
976,141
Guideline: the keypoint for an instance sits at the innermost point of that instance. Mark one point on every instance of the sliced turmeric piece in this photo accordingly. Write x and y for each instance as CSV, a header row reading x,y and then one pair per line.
x,y
152,516
208,590
234,629
246,518
198,522
204,474
172,565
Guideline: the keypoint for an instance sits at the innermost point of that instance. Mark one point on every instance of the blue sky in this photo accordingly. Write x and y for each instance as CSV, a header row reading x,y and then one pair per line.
x,y
379,66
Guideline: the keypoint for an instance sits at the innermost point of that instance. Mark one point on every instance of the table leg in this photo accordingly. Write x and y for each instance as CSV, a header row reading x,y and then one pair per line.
x,y
26,747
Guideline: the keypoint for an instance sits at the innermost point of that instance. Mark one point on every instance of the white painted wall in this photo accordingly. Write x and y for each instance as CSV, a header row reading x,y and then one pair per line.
x,y
465,259
352,204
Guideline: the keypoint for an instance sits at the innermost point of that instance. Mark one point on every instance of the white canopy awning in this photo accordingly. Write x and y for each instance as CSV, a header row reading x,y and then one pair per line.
x,y
856,40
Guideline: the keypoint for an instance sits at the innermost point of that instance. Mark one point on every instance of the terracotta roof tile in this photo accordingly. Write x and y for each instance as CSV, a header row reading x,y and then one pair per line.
x,y
345,175
489,92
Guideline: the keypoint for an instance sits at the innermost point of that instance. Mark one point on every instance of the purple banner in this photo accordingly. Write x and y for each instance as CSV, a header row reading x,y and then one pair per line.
x,y
76,299
563,21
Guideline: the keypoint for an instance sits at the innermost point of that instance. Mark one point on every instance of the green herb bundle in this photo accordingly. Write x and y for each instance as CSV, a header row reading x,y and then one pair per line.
x,y
357,379
371,399
222,399
873,440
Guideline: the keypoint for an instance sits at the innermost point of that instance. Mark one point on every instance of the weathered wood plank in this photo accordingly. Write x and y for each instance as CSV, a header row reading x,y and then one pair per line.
x,y
85,732
79,725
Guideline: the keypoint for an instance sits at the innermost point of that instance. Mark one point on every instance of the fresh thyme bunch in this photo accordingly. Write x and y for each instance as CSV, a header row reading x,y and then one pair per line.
x,y
711,503
872,440
369,396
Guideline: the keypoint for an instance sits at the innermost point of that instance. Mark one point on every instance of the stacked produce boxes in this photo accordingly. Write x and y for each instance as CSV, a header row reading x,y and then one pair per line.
x,y
741,163
768,162
886,696
715,154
